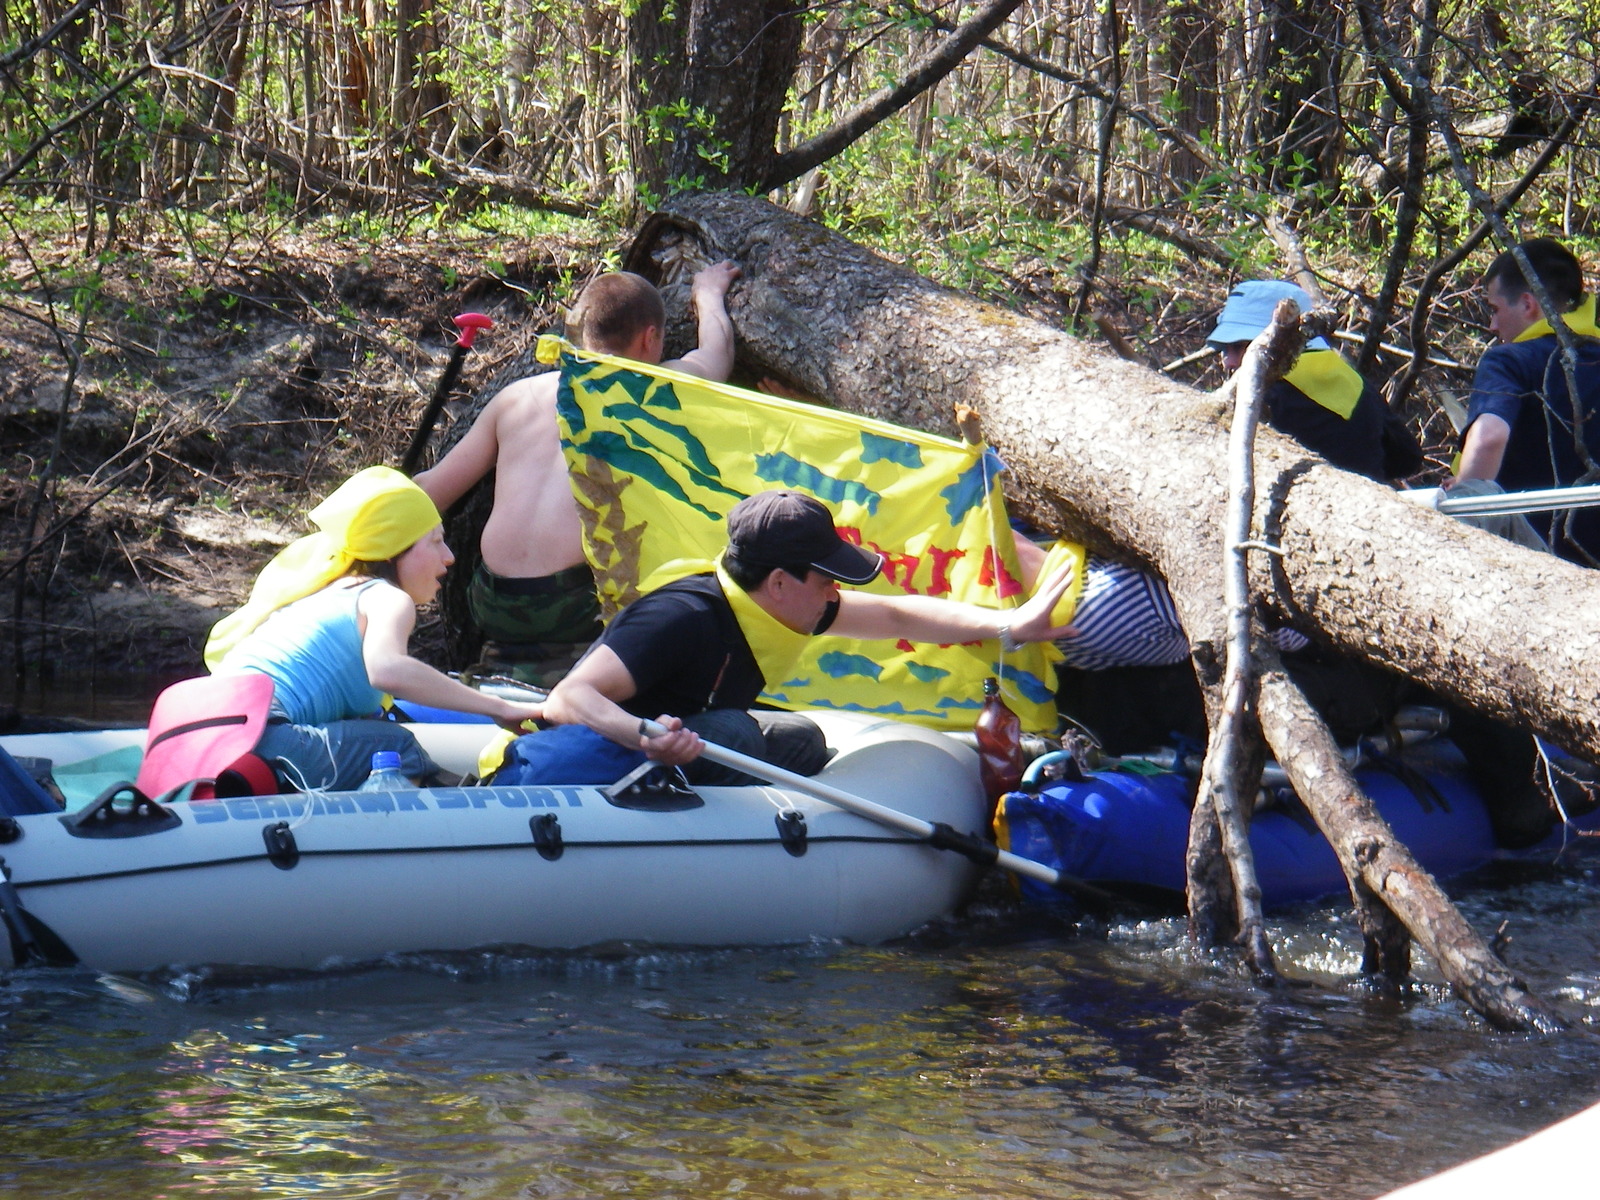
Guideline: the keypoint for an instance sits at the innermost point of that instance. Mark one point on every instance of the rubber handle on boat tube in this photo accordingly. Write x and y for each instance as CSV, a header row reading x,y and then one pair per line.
x,y
942,836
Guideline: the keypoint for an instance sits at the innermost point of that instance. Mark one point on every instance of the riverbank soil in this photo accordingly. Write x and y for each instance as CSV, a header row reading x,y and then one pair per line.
x,y
210,404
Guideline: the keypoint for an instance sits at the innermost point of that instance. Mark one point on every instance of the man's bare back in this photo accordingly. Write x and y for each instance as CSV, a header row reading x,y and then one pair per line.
x,y
534,529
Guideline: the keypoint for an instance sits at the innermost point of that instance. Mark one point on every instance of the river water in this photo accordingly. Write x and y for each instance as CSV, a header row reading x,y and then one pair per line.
x,y
1004,1053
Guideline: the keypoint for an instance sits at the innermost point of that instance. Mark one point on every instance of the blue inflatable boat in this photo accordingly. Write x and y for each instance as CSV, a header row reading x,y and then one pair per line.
x,y
1126,829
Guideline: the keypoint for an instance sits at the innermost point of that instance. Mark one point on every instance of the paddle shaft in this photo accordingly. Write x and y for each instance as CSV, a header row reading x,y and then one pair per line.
x,y
468,324
1508,503
939,835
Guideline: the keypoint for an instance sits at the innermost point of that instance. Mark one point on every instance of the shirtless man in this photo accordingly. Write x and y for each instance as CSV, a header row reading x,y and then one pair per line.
x,y
532,593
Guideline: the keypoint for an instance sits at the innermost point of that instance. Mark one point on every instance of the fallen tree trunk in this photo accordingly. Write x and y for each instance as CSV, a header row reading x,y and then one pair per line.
x,y
1125,460
1134,464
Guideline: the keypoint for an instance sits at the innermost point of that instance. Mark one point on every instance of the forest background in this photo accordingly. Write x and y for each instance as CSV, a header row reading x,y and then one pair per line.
x,y
235,233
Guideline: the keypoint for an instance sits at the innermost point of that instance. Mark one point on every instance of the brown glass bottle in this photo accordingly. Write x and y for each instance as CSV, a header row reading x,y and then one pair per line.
x,y
999,736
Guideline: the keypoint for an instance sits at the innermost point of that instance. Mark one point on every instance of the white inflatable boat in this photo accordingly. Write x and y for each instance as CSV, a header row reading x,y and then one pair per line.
x,y
316,880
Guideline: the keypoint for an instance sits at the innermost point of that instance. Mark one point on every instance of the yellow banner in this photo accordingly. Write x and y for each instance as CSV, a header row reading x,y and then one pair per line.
x,y
657,461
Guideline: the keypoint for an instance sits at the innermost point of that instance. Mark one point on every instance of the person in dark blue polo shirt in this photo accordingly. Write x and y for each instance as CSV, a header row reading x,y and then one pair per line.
x,y
1523,426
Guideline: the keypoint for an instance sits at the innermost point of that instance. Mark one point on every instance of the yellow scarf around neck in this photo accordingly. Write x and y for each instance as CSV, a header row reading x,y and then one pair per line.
x,y
1580,320
1328,380
777,648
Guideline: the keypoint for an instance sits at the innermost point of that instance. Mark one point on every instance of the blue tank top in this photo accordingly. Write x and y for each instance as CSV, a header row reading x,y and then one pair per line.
x,y
311,649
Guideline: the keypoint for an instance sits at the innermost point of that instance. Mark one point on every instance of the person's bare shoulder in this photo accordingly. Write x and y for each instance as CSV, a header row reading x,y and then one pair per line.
x,y
525,395
502,428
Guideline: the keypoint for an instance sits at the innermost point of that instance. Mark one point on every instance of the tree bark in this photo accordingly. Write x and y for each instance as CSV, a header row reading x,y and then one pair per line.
x,y
1132,463
706,83
1380,867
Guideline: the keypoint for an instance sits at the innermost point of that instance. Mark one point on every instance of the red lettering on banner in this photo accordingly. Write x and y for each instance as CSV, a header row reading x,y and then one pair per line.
x,y
900,569
942,559
993,574
906,647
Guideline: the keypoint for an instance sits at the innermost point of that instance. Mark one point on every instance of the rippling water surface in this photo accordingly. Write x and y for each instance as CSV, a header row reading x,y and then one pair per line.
x,y
1001,1055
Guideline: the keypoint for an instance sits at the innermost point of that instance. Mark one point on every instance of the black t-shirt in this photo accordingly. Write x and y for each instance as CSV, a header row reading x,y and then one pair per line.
x,y
1356,443
685,651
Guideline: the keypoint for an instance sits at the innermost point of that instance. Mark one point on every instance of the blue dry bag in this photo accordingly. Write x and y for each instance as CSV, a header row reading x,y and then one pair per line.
x,y
20,793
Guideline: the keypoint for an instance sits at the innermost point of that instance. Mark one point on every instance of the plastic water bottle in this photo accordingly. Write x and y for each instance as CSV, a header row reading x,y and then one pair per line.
x,y
385,775
998,733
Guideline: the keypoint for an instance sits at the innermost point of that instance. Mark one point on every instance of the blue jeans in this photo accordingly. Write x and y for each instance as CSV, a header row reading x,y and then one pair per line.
x,y
338,756
784,739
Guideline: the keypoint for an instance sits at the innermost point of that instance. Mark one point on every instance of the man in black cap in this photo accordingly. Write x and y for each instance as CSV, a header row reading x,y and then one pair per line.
x,y
695,654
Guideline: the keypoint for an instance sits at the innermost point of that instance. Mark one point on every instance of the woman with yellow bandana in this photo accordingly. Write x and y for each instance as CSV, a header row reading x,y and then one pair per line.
x,y
329,621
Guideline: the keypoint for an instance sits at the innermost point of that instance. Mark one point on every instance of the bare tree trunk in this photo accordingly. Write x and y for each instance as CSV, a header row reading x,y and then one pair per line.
x,y
1192,65
707,80
1380,867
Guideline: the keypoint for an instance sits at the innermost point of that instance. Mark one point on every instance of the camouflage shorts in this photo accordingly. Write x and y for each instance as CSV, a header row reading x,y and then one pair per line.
x,y
535,629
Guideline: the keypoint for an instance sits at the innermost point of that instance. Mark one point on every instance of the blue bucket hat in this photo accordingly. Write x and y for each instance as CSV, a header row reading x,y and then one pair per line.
x,y
1249,310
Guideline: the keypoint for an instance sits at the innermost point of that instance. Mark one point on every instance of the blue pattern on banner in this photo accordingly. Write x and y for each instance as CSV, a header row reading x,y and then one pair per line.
x,y
568,408
836,664
694,450
971,486
894,709
877,448
610,447
791,472
1026,682
634,384
665,397
925,674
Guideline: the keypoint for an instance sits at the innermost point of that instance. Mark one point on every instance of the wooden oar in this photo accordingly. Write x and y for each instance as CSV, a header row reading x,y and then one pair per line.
x,y
1506,503
938,835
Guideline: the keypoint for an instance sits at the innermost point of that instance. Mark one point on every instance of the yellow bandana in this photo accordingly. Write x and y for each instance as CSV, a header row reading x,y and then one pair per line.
x,y
372,516
777,647
1327,379
1580,320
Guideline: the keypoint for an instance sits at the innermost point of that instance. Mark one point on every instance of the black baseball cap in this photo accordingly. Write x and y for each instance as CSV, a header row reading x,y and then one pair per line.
x,y
780,529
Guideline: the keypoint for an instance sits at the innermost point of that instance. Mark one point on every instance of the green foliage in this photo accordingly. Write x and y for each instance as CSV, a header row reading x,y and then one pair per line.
x,y
457,119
